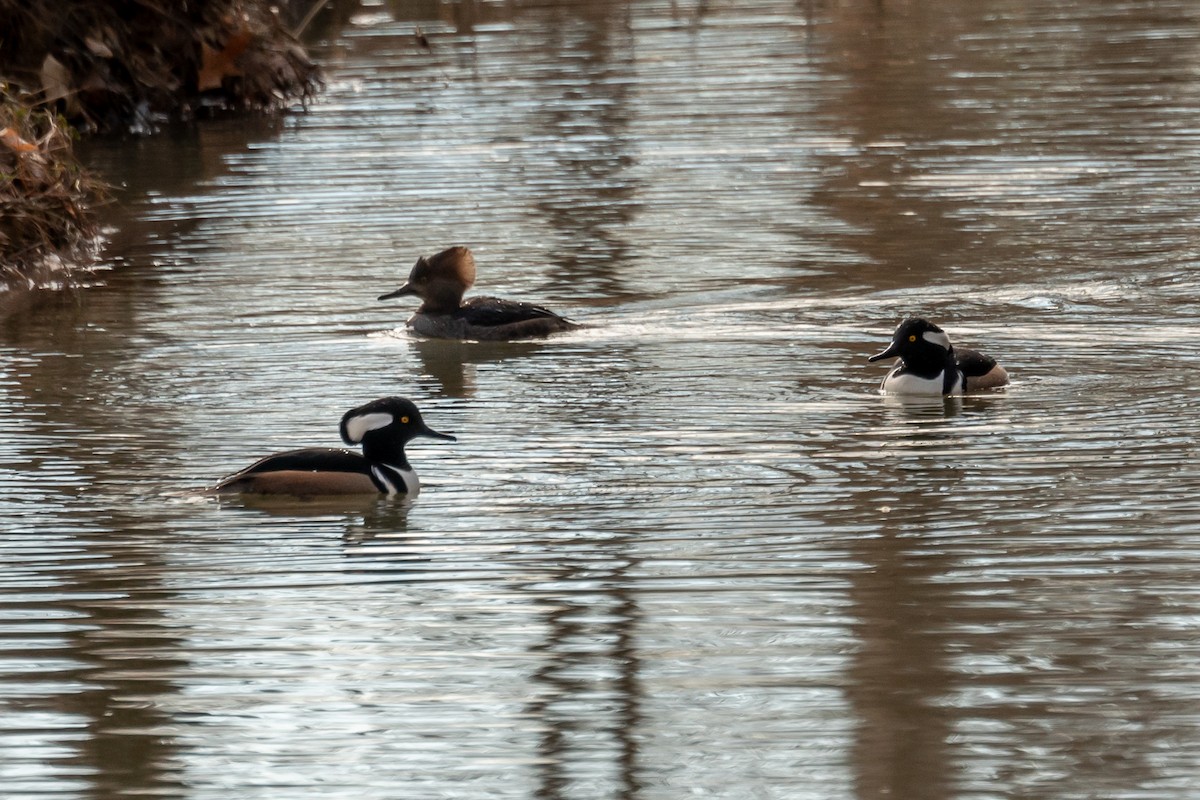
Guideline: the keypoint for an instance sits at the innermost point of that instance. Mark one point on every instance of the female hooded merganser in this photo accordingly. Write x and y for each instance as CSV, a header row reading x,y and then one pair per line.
x,y
440,282
929,364
382,427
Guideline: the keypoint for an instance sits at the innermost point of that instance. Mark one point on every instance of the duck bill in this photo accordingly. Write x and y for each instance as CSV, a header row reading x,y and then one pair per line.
x,y
432,434
404,290
892,351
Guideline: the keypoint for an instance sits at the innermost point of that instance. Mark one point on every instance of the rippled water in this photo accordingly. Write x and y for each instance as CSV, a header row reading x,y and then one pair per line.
x,y
687,550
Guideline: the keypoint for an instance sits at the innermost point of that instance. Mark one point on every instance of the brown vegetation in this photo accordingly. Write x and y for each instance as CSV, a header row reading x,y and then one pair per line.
x,y
114,65
118,66
46,199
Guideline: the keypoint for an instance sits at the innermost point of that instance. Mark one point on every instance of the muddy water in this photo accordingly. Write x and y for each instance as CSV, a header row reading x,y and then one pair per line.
x,y
687,550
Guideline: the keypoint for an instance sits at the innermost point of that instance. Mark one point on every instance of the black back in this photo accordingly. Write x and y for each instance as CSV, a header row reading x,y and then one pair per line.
x,y
974,363
314,459
492,311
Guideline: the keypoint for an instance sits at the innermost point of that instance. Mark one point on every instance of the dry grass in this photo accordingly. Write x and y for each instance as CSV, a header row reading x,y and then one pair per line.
x,y
47,220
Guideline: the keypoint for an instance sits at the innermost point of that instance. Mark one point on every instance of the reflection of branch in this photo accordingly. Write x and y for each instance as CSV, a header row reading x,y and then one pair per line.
x,y
581,655
312,12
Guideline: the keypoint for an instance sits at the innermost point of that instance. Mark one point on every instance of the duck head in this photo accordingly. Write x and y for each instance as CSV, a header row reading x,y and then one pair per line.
x,y
918,342
439,280
384,426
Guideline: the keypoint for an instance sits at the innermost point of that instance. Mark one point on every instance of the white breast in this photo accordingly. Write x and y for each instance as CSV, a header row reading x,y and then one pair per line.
x,y
898,382
397,480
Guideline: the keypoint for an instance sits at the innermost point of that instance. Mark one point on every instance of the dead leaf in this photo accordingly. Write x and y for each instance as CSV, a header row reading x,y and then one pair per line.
x,y
217,65
56,79
13,141
97,47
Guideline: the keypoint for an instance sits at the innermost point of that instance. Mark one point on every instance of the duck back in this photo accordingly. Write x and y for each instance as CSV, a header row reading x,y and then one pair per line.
x,y
491,319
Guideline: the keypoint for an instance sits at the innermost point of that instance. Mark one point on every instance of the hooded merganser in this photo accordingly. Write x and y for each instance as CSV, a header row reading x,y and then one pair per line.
x,y
440,282
929,364
382,427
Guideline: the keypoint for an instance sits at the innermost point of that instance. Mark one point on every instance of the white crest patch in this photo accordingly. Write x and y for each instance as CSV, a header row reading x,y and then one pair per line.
x,y
938,338
357,427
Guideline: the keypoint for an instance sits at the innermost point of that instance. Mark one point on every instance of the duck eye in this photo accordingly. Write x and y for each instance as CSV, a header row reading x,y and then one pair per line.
x,y
912,337
404,420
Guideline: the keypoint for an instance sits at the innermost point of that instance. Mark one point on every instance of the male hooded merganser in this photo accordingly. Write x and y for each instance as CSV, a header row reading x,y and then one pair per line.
x,y
382,427
440,282
929,364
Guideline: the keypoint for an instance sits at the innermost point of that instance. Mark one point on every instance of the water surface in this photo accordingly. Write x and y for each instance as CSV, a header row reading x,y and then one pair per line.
x,y
687,550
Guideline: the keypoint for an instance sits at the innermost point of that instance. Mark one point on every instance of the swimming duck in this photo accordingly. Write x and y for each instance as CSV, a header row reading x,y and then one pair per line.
x,y
382,427
929,364
441,280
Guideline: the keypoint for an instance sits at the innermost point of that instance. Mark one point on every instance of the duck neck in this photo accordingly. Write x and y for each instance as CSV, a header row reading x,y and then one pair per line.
x,y
389,453
383,450
929,362
441,297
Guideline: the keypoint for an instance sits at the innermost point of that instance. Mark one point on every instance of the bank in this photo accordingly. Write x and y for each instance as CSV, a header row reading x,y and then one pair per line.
x,y
71,68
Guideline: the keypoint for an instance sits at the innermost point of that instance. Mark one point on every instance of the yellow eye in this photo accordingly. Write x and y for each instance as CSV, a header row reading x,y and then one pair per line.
x,y
912,338
404,420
